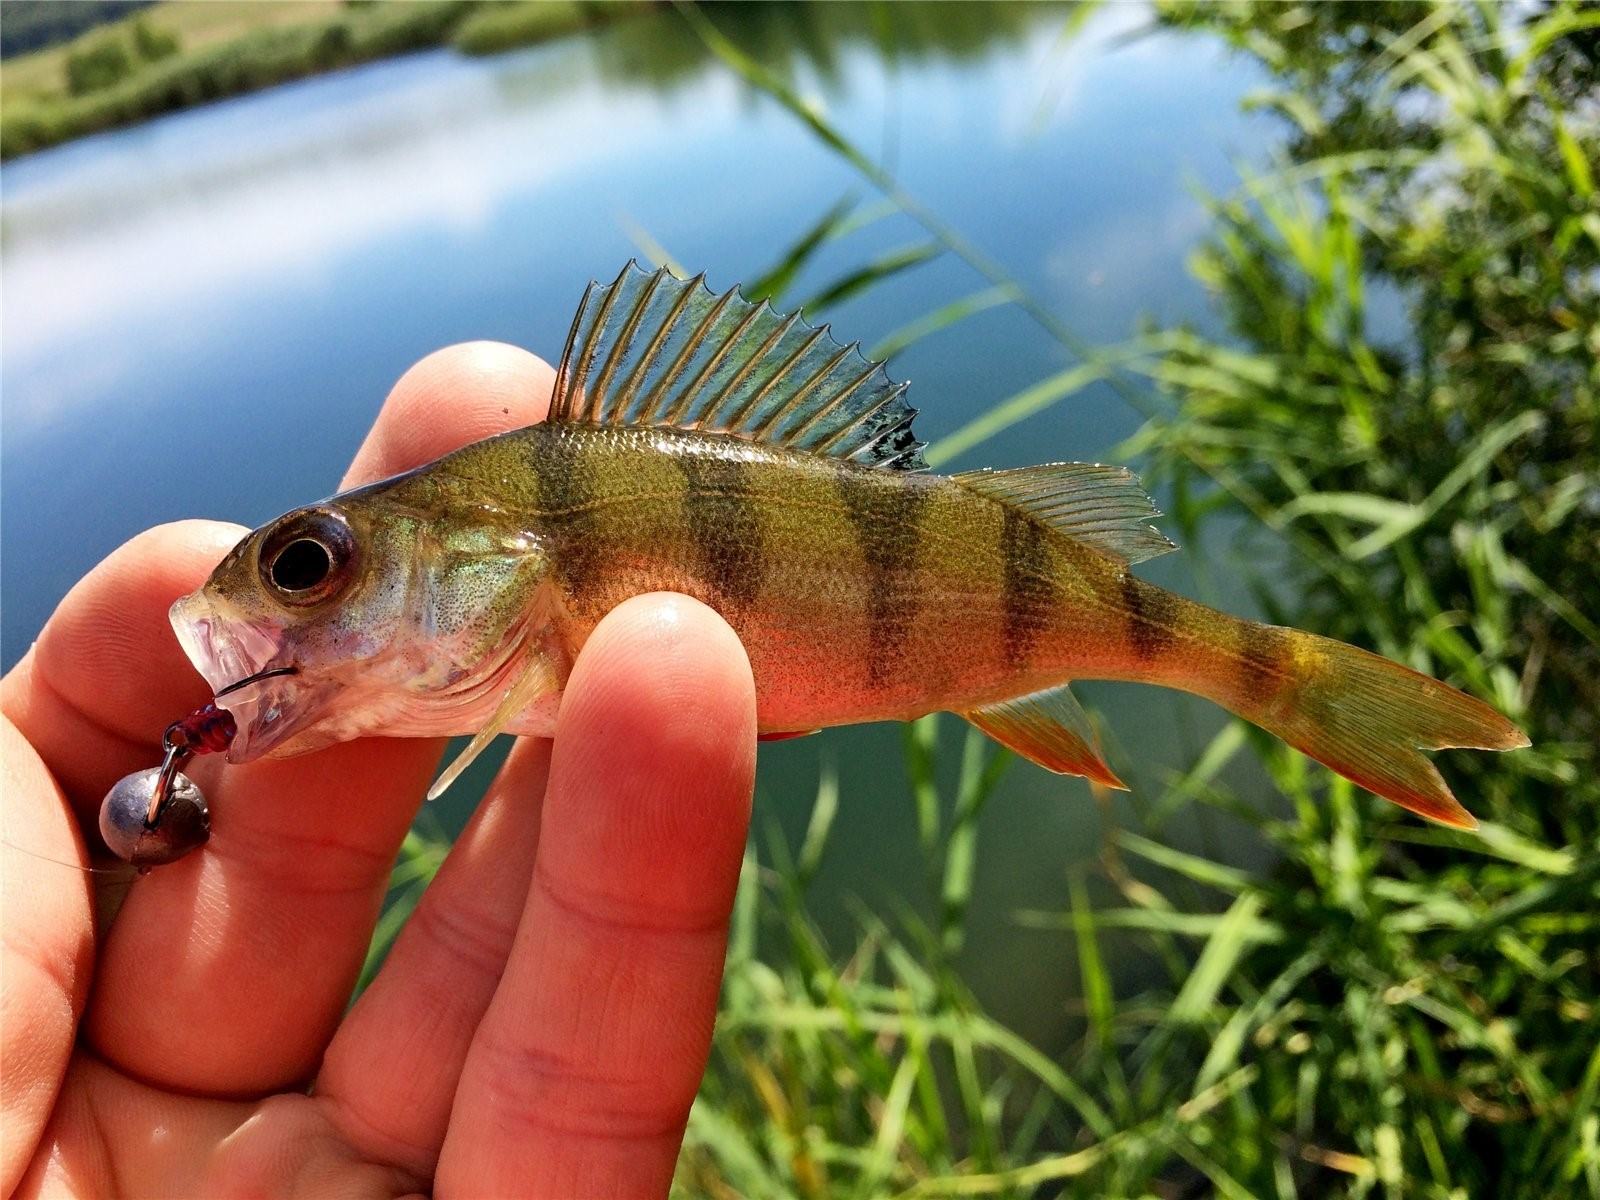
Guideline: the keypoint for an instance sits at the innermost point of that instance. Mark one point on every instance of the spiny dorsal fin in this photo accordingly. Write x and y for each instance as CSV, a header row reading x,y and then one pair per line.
x,y
1049,728
1104,506
654,349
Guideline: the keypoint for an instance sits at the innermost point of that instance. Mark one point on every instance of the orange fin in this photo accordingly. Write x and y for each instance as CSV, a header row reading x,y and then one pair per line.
x,y
1369,719
786,735
1049,728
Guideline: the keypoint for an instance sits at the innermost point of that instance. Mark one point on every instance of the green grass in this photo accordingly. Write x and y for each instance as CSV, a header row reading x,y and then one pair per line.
x,y
1393,1009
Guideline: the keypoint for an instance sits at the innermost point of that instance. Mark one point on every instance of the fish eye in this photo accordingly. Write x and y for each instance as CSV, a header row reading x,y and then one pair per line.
x,y
301,564
308,557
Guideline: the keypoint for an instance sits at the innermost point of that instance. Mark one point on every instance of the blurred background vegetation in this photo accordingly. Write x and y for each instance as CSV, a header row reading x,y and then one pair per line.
x,y
182,54
1393,1008
1385,431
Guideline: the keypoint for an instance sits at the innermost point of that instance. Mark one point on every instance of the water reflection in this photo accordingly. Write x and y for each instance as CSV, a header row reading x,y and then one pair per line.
x,y
433,138
803,42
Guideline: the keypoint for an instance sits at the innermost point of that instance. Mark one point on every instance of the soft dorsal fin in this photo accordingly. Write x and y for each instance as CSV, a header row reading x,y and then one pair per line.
x,y
1049,728
654,349
1101,505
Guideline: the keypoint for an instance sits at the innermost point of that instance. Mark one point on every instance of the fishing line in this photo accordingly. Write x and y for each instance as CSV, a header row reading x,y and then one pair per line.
x,y
60,862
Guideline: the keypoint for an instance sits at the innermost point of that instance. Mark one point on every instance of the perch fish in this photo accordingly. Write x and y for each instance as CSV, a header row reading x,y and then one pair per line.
x,y
698,443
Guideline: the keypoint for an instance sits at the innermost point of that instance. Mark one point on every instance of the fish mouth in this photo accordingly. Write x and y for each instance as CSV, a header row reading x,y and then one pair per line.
x,y
268,701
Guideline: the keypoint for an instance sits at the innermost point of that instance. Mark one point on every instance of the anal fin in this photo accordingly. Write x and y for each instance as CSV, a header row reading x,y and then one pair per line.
x,y
1049,728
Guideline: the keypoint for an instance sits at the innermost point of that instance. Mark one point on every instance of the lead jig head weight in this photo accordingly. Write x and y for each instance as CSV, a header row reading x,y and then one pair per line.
x,y
156,816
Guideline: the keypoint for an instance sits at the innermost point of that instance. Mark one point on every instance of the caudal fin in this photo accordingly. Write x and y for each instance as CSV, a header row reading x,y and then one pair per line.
x,y
1369,718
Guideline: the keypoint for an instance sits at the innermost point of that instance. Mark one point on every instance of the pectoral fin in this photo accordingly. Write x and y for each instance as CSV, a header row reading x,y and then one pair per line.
x,y
1049,728
537,678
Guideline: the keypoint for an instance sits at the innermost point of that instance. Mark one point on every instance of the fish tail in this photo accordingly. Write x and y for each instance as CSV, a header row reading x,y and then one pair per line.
x,y
1356,712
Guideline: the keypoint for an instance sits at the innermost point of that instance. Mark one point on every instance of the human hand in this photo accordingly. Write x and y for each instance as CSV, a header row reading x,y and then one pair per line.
x,y
542,1023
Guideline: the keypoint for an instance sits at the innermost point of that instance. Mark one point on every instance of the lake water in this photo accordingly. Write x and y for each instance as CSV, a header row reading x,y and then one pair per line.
x,y
202,313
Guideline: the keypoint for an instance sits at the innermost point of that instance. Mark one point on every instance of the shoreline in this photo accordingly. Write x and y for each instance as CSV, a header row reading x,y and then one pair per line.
x,y
269,54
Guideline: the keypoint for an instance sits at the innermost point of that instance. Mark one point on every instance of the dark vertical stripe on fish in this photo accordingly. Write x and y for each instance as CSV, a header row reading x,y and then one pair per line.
x,y
1028,590
1264,655
724,523
1152,617
886,511
565,495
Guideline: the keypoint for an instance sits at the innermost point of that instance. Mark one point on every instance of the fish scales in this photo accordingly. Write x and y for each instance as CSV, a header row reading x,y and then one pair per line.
x,y
895,584
859,594
701,444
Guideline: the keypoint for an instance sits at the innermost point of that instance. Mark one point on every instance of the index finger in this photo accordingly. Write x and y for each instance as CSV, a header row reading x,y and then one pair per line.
x,y
454,396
